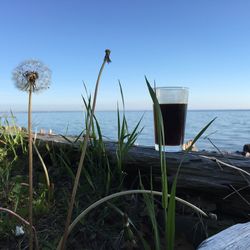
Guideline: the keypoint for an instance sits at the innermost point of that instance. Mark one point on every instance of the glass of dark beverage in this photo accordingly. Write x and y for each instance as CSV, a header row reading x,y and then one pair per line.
x,y
173,104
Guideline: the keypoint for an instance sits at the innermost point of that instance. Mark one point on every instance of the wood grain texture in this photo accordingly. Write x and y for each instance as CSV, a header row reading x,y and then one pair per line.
x,y
236,237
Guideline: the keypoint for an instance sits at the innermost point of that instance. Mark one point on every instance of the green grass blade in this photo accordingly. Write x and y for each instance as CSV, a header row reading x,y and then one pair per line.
x,y
67,167
66,138
200,134
171,218
99,132
118,123
43,165
88,178
171,207
161,141
123,103
78,137
149,201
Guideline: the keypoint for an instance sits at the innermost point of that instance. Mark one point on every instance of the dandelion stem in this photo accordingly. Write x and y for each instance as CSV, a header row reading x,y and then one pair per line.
x,y
30,172
84,148
31,76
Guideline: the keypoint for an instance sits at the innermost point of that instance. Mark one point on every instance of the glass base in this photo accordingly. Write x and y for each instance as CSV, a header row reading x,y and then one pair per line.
x,y
168,148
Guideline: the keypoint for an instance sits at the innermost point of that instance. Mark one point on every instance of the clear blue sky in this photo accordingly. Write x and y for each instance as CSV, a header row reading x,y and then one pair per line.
x,y
201,44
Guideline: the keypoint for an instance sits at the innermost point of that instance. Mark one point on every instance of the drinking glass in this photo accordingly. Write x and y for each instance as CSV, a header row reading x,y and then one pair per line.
x,y
173,104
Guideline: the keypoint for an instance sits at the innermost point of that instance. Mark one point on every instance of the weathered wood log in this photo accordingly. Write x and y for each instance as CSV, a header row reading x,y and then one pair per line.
x,y
235,237
217,183
220,181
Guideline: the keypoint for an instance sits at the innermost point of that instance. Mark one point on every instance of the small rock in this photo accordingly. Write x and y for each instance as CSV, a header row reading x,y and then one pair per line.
x,y
19,231
247,154
186,145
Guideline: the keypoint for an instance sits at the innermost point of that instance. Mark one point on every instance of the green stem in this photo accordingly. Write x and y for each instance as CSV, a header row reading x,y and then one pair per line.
x,y
44,167
85,144
30,172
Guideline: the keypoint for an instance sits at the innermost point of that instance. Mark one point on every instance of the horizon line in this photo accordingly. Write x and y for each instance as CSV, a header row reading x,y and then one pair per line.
x,y
128,110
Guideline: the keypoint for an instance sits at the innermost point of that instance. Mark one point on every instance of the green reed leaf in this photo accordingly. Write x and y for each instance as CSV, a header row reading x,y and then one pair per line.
x,y
149,201
171,207
161,141
200,134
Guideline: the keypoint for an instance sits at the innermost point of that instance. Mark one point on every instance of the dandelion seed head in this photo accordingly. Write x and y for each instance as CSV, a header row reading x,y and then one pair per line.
x,y
32,75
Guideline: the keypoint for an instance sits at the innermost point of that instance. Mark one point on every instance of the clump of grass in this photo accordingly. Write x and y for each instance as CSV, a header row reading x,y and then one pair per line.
x,y
126,139
11,136
11,142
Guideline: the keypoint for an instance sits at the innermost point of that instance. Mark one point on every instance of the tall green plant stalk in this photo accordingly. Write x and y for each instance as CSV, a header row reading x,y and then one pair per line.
x,y
30,170
84,148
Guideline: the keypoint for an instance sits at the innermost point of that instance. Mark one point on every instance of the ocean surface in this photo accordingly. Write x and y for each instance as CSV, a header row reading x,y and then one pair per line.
x,y
229,132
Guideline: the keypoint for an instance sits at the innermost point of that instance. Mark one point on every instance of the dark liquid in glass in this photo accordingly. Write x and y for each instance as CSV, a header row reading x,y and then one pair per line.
x,y
174,119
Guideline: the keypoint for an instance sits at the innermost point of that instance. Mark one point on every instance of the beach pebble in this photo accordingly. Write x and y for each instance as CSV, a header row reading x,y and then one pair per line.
x,y
247,154
186,145
19,231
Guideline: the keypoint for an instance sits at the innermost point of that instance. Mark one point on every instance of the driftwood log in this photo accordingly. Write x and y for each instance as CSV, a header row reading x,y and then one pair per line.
x,y
235,237
221,181
218,183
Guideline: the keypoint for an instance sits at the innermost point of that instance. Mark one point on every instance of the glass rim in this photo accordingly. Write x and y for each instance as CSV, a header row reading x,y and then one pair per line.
x,y
172,87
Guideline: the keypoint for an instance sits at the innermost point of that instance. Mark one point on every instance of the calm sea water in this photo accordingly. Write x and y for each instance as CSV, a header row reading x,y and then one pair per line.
x,y
229,132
